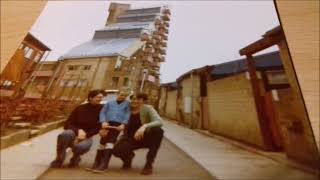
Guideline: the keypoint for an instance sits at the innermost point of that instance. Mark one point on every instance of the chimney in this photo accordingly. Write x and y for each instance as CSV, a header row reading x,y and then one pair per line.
x,y
115,10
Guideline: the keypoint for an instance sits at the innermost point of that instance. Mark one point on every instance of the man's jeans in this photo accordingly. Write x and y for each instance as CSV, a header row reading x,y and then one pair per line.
x,y
66,139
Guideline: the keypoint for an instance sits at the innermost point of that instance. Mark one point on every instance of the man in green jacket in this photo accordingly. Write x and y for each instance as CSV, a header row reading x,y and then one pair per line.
x,y
143,131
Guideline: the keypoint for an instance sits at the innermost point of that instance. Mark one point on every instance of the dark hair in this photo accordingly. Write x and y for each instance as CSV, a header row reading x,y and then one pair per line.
x,y
94,93
143,96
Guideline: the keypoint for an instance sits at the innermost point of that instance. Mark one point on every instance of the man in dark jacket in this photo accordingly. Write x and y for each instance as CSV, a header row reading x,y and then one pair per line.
x,y
81,125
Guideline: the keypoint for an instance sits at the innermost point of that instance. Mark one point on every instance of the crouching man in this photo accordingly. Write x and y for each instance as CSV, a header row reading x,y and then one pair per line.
x,y
143,131
81,125
113,117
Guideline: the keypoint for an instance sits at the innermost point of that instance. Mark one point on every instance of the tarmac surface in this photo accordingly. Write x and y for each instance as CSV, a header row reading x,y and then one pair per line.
x,y
171,164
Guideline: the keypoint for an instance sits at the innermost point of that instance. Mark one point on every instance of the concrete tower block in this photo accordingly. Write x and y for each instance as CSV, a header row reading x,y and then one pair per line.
x,y
116,10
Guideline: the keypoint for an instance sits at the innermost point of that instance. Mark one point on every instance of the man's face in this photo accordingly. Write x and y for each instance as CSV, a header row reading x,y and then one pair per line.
x,y
135,102
96,100
122,96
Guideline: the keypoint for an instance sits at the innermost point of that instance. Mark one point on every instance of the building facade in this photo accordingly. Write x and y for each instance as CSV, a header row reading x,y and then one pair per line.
x,y
126,53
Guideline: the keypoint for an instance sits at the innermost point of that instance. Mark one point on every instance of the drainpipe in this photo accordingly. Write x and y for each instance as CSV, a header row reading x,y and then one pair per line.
x,y
145,71
192,121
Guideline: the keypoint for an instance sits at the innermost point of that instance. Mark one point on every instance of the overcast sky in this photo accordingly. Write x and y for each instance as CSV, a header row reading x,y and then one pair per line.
x,y
201,33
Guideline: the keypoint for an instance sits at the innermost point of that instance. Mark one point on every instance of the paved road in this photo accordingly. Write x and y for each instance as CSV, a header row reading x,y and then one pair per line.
x,y
171,164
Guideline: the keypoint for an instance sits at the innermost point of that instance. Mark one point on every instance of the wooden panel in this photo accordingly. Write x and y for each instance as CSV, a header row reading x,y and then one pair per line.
x,y
171,106
300,22
16,20
232,111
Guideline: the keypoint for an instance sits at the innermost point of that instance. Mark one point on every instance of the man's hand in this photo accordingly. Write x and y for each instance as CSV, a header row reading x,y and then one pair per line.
x,y
103,132
81,134
105,125
139,133
120,127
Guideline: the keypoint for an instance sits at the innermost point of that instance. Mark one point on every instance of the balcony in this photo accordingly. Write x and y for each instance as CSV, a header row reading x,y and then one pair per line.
x,y
166,24
147,58
151,41
166,11
157,37
165,17
145,37
149,50
164,44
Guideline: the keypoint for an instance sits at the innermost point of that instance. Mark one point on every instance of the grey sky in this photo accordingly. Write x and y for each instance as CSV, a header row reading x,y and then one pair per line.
x,y
201,33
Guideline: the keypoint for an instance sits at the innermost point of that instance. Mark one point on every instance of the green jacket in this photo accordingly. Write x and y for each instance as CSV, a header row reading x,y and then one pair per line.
x,y
149,117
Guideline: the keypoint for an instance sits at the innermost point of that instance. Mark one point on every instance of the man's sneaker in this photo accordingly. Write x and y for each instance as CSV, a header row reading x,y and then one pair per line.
x,y
147,170
127,163
74,162
56,164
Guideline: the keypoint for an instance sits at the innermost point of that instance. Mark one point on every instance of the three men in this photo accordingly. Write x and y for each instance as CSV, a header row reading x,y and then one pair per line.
x,y
140,122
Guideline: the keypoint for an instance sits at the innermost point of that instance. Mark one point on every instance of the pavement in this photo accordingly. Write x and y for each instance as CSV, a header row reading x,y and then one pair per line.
x,y
184,154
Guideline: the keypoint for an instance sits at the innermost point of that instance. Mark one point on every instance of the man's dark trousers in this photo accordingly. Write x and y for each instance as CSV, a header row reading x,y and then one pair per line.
x,y
126,145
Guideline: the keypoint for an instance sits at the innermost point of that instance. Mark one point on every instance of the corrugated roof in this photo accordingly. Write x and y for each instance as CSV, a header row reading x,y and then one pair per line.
x,y
104,48
144,10
128,26
139,15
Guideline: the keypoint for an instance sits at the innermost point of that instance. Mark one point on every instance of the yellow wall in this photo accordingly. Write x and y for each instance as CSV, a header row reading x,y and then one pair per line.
x,y
232,110
300,21
16,20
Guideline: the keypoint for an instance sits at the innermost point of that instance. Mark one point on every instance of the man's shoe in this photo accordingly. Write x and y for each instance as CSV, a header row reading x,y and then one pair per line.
x,y
127,163
105,158
56,164
74,162
147,170
97,161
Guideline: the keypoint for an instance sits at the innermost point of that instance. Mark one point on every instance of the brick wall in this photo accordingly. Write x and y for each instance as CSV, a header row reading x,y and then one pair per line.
x,y
232,110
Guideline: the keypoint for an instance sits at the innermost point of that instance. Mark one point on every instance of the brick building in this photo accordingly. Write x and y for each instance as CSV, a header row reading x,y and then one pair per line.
x,y
127,52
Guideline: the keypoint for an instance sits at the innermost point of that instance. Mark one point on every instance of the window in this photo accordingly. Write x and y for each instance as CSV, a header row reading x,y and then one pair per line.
x,y
86,67
73,67
126,81
115,81
82,83
71,83
28,53
26,49
277,77
37,58
63,83
117,66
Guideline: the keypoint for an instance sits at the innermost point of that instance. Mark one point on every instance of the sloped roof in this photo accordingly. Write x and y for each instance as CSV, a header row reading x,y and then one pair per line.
x,y
262,62
104,48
